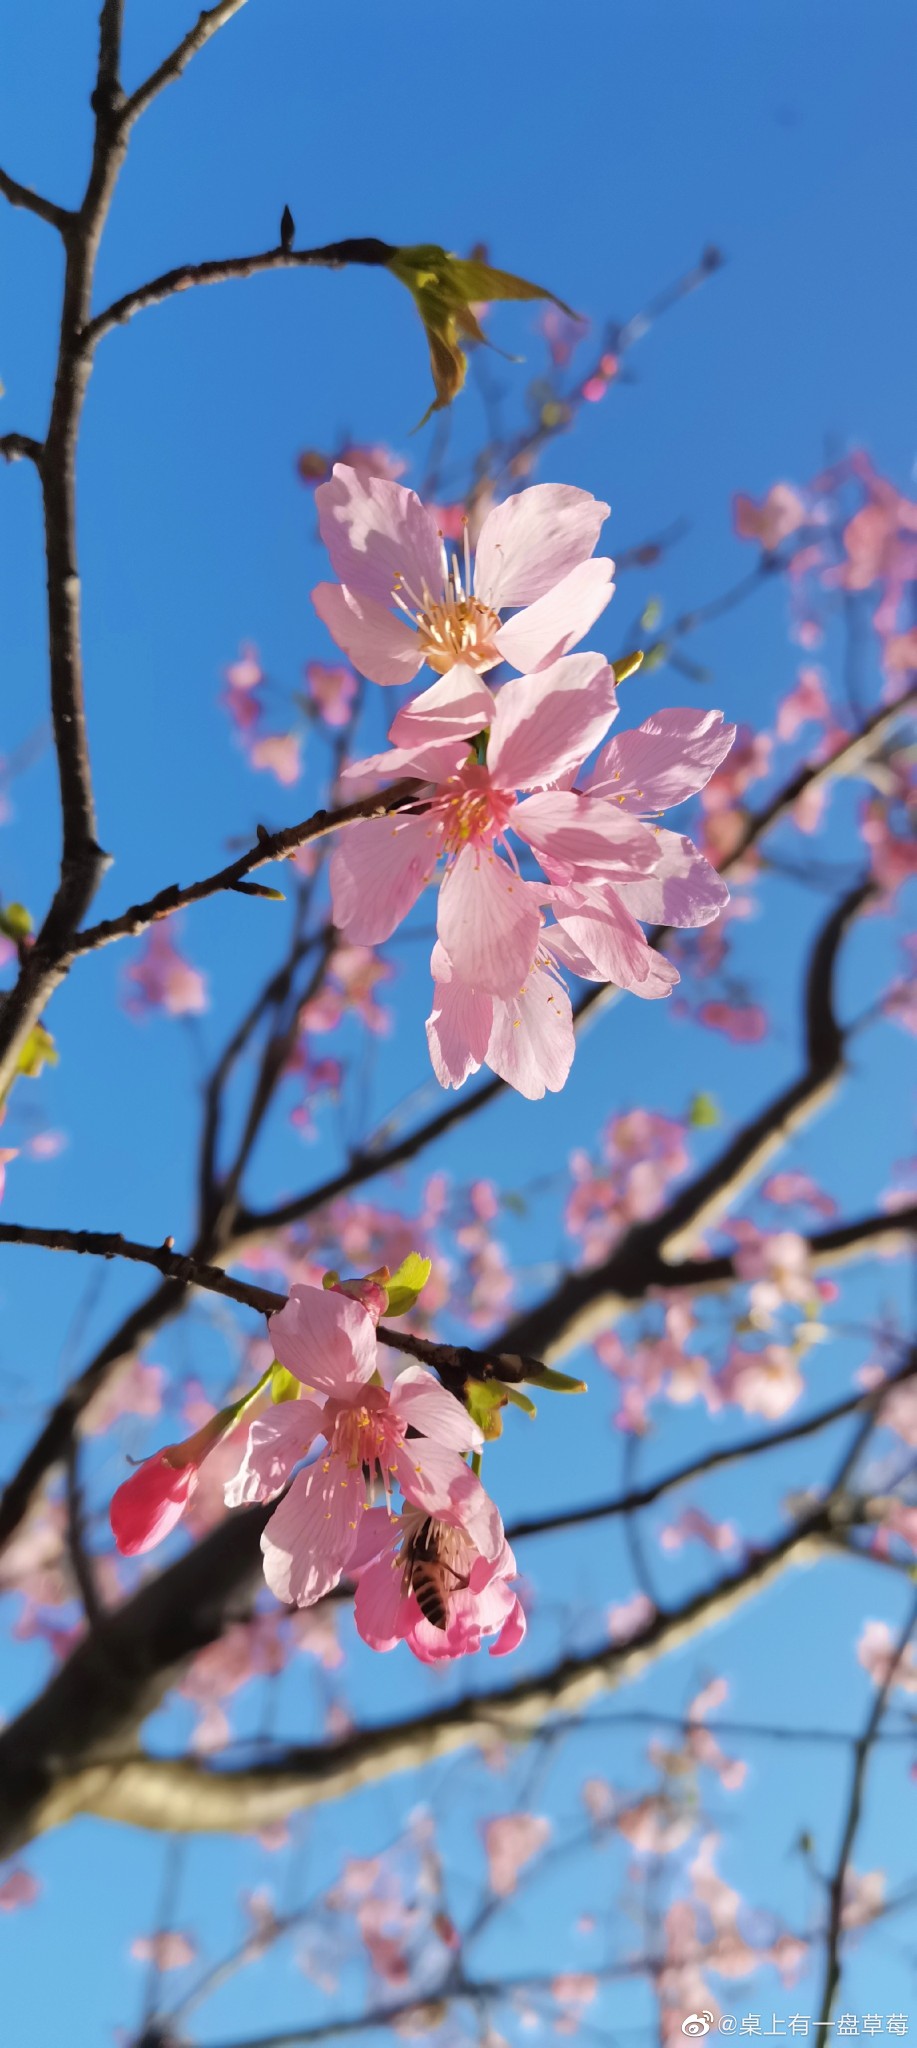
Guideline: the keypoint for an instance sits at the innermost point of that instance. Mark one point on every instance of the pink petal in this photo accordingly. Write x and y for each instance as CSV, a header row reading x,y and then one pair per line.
x,y
668,758
458,1029
456,706
437,1480
583,835
685,889
488,921
325,1340
512,1632
147,1507
607,934
310,1536
276,1442
531,541
377,1535
660,981
381,645
379,1605
419,1399
532,1043
378,870
377,532
544,631
548,724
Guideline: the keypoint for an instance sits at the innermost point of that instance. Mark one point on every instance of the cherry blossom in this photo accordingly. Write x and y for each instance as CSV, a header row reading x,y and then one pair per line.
x,y
332,689
779,514
327,1341
146,1507
511,1840
18,1888
478,1597
876,1653
766,1382
162,979
402,600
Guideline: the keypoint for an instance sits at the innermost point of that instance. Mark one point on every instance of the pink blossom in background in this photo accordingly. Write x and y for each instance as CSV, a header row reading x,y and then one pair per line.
x,y
748,762
7,1152
135,1389
655,1826
18,1888
744,1023
332,689
170,1950
354,974
863,1897
790,1186
630,1617
876,1653
778,515
369,460
162,979
511,1840
480,1600
777,1265
562,333
766,1382
893,856
402,600
280,753
806,702
692,1525
46,1145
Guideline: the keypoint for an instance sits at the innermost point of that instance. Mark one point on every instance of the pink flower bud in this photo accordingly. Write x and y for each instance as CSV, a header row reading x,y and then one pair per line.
x,y
146,1508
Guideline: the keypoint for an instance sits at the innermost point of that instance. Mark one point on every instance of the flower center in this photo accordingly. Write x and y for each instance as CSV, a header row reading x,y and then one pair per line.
x,y
364,1436
474,813
453,625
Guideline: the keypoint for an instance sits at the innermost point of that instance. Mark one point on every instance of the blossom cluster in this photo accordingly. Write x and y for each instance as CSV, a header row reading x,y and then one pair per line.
x,y
432,1565
544,873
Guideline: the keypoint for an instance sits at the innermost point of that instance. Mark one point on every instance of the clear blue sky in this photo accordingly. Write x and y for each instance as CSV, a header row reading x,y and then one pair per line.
x,y
597,148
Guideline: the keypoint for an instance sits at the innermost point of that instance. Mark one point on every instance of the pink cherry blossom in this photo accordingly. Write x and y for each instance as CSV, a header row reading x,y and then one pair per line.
x,y
162,979
136,1389
540,729
511,1840
18,1888
328,1342
332,689
280,752
807,701
479,1599
148,1506
169,1950
403,600
778,515
766,1382
863,1897
876,1653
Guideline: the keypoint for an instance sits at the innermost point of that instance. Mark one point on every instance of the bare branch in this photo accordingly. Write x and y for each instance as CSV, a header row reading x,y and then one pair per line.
x,y
882,1236
46,209
20,448
207,25
367,249
269,846
861,1758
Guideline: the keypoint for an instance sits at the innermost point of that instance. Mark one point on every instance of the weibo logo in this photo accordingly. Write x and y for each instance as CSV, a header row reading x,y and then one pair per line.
x,y
697,2023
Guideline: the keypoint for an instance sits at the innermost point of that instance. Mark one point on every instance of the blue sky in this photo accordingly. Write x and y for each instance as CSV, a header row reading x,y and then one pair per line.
x,y
597,149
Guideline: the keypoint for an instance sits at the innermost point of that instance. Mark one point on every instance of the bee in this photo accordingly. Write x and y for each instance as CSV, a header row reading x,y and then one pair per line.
x,y
426,1574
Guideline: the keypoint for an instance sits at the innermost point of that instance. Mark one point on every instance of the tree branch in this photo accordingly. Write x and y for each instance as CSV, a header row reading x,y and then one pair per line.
x,y
861,1758
58,217
269,846
367,249
207,25
20,448
69,1752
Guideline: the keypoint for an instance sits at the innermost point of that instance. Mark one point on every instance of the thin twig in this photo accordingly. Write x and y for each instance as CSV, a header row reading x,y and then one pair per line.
x,y
365,249
208,23
46,209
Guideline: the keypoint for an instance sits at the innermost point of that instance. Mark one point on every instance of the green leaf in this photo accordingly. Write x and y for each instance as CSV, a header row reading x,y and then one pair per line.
x,y
38,1051
704,1113
555,1382
445,289
520,1401
15,922
405,1286
283,1385
484,1400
